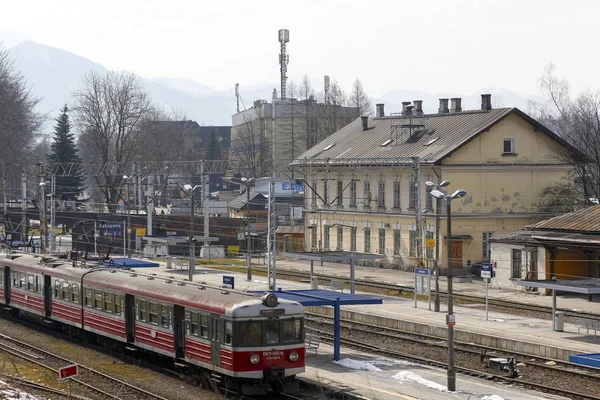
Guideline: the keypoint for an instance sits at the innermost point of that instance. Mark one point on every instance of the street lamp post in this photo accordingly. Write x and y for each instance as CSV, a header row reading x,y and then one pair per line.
x,y
192,241
450,319
128,233
247,182
437,186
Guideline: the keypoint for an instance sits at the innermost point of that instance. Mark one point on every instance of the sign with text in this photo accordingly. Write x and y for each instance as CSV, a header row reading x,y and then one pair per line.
x,y
486,271
430,243
228,282
422,284
110,229
140,231
70,371
296,187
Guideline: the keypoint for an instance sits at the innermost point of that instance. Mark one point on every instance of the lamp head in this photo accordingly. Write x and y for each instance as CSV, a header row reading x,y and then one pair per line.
x,y
444,183
430,184
437,194
187,187
125,177
458,194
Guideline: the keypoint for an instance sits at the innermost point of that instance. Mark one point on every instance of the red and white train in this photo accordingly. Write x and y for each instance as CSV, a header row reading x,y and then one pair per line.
x,y
253,343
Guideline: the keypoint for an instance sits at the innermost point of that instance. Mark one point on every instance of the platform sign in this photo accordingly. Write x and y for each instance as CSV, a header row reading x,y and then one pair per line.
x,y
422,284
110,229
70,371
430,243
486,271
228,282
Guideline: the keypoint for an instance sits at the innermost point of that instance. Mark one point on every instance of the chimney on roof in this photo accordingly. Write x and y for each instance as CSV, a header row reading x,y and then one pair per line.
x,y
380,113
418,107
409,110
455,105
405,105
486,102
365,122
274,94
443,109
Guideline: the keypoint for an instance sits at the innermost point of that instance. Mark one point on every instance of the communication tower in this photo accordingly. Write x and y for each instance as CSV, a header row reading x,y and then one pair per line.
x,y
284,59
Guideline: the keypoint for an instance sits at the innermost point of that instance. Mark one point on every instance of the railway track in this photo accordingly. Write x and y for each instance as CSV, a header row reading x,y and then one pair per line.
x,y
398,289
543,376
89,379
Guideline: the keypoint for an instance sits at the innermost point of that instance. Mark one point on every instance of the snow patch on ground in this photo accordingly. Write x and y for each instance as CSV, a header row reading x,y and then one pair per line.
x,y
259,281
8,393
356,364
492,397
408,376
388,362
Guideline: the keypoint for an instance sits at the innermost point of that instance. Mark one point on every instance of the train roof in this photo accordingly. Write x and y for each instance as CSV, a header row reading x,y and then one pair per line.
x,y
201,296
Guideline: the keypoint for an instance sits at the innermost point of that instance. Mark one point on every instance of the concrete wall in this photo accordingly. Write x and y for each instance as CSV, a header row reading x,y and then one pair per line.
x,y
502,257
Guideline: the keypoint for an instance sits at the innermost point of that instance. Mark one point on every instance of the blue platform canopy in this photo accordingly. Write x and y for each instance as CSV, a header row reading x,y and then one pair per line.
x,y
130,263
313,298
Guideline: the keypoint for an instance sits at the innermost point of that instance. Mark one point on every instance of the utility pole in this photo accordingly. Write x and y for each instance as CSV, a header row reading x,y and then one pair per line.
x,y
52,214
248,241
418,223
450,317
150,206
438,210
205,206
43,226
24,205
192,248
271,239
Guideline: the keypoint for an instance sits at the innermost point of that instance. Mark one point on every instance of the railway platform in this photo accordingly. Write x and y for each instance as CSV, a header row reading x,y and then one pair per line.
x,y
375,377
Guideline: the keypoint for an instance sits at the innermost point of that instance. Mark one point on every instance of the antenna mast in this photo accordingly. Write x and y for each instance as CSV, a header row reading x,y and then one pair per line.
x,y
284,59
237,96
326,89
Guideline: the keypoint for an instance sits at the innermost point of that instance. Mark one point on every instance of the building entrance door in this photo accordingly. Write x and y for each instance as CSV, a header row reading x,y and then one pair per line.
x,y
457,254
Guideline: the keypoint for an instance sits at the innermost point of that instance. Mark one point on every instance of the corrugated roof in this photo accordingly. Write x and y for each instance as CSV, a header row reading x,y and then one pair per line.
x,y
437,137
585,220
257,201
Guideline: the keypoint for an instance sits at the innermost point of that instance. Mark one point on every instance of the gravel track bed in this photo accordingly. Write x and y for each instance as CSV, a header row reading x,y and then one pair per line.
x,y
152,381
529,372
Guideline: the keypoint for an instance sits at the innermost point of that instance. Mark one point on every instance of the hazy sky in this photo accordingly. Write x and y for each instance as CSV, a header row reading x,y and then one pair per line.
x,y
455,46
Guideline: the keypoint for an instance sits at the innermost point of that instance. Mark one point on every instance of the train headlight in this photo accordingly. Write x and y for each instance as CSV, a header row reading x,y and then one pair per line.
x,y
294,356
270,300
254,359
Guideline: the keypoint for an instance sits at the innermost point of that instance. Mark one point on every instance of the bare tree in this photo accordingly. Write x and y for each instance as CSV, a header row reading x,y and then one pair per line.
x,y
250,145
360,100
109,112
578,123
332,113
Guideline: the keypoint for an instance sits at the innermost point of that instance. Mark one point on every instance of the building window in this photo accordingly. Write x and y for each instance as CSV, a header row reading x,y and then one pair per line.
x,y
340,189
516,262
381,195
412,194
428,198
429,250
353,238
326,233
487,250
396,242
381,240
367,194
314,193
509,146
340,237
412,237
396,194
326,192
353,193
313,236
367,240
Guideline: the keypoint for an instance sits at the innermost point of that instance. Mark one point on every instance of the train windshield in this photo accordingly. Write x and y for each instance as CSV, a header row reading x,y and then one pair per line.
x,y
271,332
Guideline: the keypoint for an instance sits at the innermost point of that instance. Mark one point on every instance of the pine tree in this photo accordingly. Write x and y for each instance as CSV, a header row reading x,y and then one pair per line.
x,y
64,150
213,149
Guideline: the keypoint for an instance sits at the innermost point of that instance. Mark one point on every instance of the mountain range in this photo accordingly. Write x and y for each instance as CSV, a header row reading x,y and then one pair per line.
x,y
54,73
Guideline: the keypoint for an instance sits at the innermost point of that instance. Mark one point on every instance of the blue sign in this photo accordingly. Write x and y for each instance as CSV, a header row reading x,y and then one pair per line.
x,y
298,187
486,270
109,229
228,282
421,271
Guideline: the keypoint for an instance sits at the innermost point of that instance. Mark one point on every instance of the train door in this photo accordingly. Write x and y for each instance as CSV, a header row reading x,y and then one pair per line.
x,y
7,285
179,328
130,318
215,338
47,292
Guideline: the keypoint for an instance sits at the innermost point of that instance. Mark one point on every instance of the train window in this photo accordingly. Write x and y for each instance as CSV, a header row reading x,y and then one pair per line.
x,y
75,293
31,283
98,300
251,333
194,324
1,275
57,288
204,326
153,313
143,310
117,305
291,330
272,332
164,318
108,302
228,332
15,279
89,295
66,291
